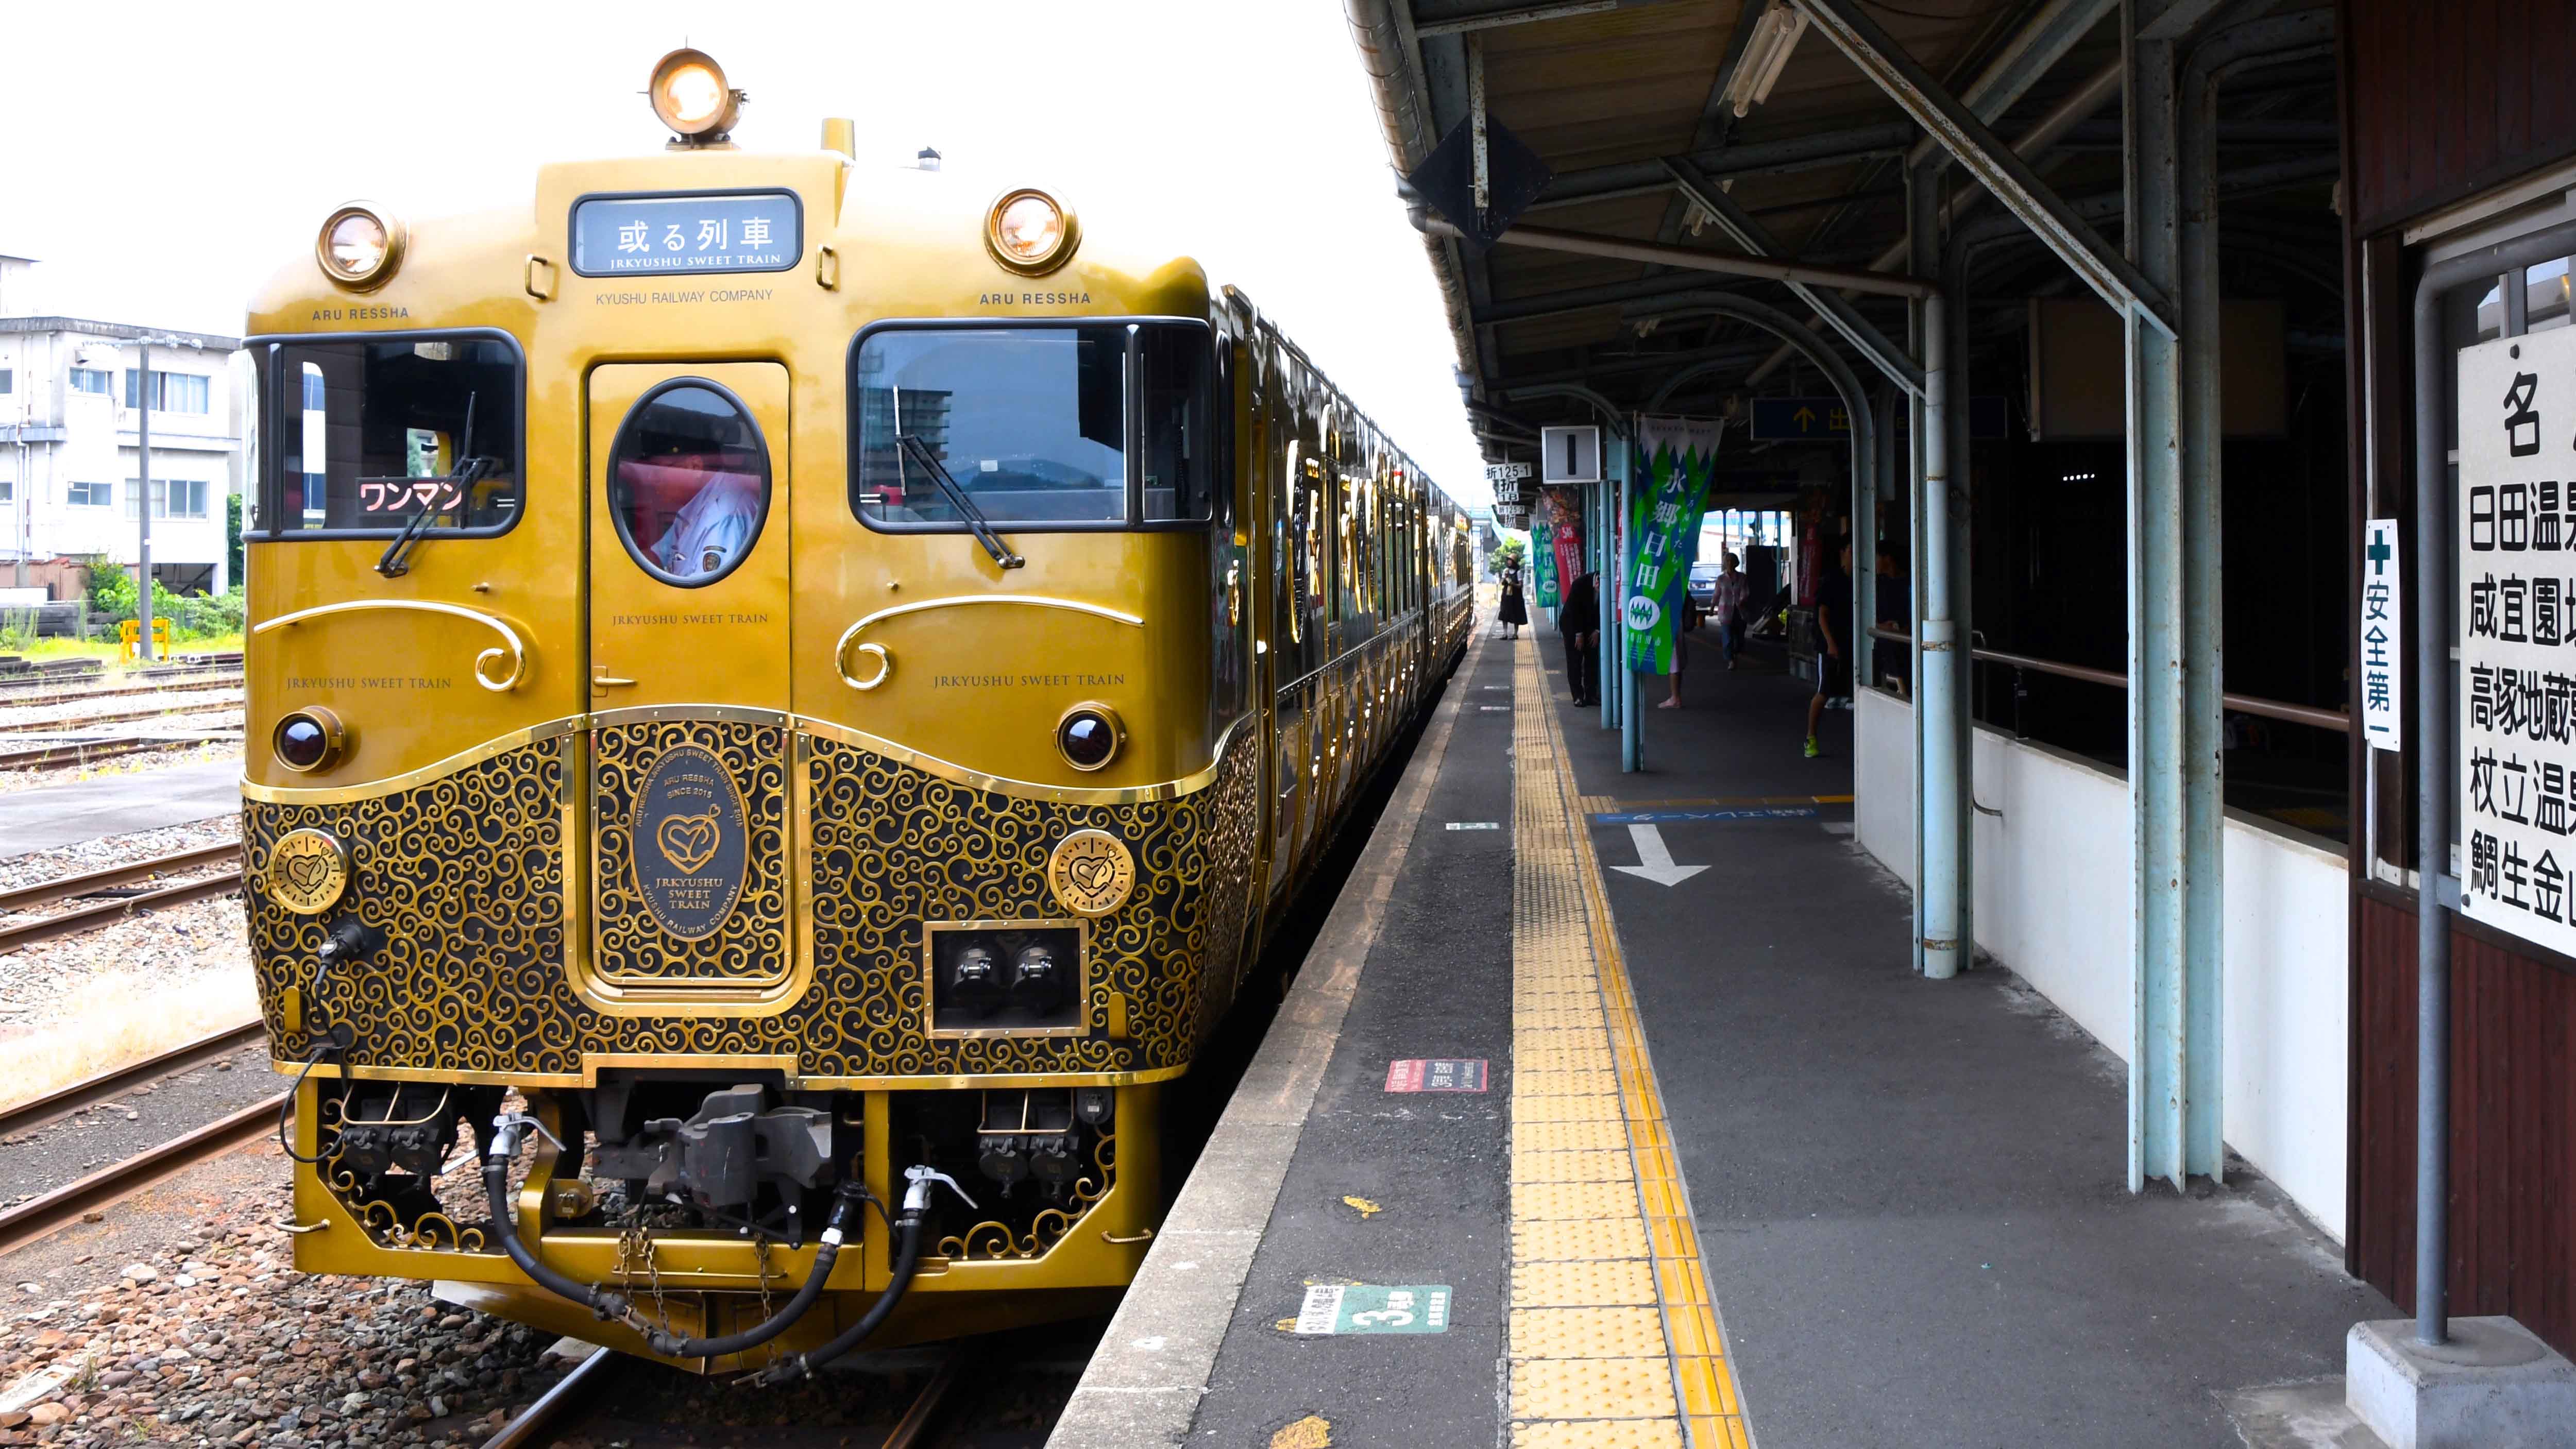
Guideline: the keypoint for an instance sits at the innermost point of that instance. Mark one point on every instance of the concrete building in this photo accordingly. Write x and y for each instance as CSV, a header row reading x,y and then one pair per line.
x,y
71,390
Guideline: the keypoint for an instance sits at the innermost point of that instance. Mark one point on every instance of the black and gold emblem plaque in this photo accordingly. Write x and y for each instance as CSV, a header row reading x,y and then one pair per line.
x,y
691,842
308,871
1091,872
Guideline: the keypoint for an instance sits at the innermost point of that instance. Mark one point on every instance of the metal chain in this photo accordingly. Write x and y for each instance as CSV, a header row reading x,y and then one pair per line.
x,y
760,1259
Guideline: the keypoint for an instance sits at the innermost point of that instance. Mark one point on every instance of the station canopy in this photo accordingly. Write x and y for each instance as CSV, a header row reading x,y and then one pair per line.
x,y
1681,125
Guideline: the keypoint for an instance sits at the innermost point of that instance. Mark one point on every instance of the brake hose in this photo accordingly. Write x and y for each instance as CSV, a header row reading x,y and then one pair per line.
x,y
907,1258
845,1206
598,1298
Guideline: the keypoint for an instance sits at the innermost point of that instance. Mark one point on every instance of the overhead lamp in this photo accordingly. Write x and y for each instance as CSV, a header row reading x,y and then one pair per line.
x,y
689,93
1775,35
1030,231
359,246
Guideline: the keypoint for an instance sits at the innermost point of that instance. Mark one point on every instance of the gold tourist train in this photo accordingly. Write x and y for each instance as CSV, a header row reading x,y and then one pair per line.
x,y
787,697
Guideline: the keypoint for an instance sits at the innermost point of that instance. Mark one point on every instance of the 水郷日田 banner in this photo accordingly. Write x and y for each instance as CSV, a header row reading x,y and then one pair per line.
x,y
1674,460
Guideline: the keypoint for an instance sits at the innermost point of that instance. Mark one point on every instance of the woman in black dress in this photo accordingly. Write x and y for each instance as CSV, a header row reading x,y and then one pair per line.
x,y
1515,611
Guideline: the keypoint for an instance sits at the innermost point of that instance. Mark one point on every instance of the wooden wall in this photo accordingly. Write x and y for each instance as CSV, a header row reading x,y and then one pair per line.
x,y
2447,98
2513,1124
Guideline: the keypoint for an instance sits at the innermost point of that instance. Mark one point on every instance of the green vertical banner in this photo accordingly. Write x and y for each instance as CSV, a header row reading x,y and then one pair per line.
x,y
1679,457
1543,526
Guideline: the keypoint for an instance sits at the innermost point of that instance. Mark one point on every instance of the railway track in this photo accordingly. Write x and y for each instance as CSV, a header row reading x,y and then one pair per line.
x,y
563,1409
68,756
41,1215
14,934
90,721
184,684
26,688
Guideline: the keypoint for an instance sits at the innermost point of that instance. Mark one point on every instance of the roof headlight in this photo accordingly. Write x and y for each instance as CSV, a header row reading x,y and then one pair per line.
x,y
359,246
1030,232
690,95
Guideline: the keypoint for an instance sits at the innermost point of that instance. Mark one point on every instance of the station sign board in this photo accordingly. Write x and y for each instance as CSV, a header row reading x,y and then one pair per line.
x,y
2514,559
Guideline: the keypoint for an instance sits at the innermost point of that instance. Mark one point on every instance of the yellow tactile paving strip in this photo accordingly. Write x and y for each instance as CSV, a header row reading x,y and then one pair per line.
x,y
1614,1341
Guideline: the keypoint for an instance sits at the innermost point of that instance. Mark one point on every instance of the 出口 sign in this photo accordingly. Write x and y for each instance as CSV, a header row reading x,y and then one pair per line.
x,y
2515,550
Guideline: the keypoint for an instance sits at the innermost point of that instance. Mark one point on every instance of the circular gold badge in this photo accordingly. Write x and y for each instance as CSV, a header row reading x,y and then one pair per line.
x,y
1091,872
308,871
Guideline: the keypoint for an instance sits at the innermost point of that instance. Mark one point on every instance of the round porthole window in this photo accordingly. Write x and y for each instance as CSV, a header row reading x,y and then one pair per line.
x,y
688,482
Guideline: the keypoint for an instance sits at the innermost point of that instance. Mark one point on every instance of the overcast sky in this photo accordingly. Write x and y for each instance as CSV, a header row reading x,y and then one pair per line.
x,y
166,159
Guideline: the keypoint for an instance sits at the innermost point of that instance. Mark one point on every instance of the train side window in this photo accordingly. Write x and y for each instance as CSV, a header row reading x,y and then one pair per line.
x,y
372,432
688,482
1039,425
1175,426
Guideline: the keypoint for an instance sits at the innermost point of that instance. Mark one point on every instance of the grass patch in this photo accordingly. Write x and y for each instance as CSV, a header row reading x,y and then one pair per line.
x,y
150,1015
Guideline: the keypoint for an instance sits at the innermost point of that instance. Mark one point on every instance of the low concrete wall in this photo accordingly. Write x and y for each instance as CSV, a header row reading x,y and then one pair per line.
x,y
2053,902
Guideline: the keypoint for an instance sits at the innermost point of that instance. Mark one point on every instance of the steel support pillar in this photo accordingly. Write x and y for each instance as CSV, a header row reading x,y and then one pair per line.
x,y
2175,802
1632,720
1596,554
1941,745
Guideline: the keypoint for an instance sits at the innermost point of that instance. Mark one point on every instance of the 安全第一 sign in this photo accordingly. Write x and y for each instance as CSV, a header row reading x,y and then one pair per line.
x,y
2515,554
2380,633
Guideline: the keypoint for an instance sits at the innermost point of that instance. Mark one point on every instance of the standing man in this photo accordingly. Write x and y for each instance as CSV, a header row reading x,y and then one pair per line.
x,y
1580,619
1833,631
1729,608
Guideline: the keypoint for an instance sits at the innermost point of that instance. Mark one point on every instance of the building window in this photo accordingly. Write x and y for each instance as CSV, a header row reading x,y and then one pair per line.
x,y
8,381
172,392
91,495
171,497
8,490
90,379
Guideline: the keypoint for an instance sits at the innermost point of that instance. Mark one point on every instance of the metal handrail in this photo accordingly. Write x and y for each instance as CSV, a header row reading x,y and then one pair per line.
x,y
2306,714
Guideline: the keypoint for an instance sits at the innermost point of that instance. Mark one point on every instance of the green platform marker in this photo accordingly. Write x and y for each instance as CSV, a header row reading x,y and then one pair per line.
x,y
1367,1308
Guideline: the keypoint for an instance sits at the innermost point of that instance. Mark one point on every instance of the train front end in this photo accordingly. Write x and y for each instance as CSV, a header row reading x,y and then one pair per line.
x,y
752,795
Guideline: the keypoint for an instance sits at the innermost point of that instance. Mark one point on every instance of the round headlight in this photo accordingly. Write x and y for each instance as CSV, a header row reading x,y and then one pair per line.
x,y
310,739
689,93
360,245
1030,232
1089,736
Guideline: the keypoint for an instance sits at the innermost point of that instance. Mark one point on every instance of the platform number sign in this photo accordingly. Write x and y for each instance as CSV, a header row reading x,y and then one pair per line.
x,y
2515,560
2381,633
1342,1308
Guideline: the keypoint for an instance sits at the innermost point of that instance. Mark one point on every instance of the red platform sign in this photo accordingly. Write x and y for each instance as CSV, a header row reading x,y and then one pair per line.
x,y
1436,1074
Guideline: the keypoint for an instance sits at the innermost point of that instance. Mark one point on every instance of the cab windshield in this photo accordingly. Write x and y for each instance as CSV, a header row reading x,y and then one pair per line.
x,y
1098,425
366,435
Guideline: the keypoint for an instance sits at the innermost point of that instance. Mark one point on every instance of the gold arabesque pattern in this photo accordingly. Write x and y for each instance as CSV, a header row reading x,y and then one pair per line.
x,y
464,874
990,1240
750,948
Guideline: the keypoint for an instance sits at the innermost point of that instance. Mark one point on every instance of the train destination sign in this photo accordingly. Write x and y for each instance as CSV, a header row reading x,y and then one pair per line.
x,y
646,236
2514,542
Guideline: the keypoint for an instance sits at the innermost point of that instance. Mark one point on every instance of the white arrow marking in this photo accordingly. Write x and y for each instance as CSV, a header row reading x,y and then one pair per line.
x,y
1656,861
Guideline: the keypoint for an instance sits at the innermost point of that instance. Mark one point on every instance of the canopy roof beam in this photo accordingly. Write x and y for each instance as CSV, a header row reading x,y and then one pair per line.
x,y
1986,157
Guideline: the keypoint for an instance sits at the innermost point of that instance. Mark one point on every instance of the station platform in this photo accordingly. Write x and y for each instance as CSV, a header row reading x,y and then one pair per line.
x,y
51,815
1571,1134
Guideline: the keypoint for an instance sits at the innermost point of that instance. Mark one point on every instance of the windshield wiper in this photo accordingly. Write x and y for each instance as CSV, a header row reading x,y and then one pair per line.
x,y
469,470
958,500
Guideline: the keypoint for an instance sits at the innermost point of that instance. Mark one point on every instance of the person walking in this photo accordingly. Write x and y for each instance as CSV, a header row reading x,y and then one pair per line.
x,y
1833,630
1729,608
1580,621
1515,610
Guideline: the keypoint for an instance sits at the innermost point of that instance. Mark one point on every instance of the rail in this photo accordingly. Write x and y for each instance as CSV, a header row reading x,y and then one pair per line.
x,y
2304,714
14,934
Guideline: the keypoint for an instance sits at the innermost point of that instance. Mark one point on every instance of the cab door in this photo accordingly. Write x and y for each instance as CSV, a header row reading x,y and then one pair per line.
x,y
689,767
